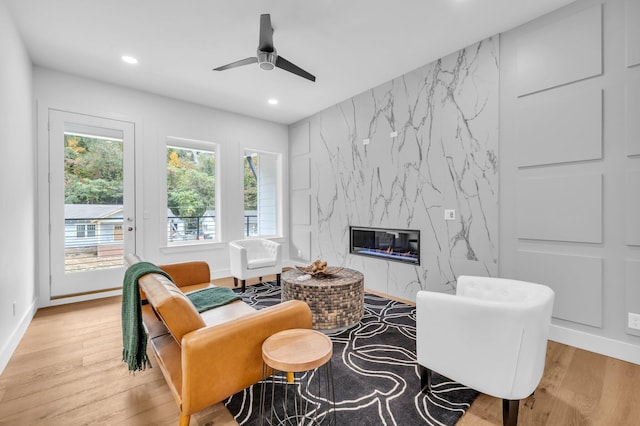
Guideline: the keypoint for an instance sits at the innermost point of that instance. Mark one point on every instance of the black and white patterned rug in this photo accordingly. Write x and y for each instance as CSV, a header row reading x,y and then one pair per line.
x,y
374,368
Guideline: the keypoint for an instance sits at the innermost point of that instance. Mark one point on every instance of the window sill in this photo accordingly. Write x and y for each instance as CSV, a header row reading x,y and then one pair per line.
x,y
193,247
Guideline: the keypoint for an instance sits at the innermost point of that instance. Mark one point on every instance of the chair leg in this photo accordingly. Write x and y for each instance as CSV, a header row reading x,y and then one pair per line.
x,y
278,279
235,282
510,412
184,420
244,285
425,379
260,279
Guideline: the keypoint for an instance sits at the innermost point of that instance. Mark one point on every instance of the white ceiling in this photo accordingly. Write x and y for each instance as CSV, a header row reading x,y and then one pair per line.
x,y
349,45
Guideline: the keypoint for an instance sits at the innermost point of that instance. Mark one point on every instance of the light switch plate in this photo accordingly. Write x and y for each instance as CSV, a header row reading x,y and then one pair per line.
x,y
449,214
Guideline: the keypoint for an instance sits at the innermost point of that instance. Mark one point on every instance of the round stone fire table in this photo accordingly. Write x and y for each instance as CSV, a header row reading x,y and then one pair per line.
x,y
336,301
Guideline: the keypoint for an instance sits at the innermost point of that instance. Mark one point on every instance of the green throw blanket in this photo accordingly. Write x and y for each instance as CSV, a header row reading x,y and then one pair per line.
x,y
212,297
134,338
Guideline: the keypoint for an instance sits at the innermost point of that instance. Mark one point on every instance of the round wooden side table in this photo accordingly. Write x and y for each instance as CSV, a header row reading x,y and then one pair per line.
x,y
308,398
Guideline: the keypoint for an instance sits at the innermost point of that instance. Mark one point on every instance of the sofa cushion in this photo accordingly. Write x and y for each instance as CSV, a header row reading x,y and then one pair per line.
x,y
226,313
176,310
260,263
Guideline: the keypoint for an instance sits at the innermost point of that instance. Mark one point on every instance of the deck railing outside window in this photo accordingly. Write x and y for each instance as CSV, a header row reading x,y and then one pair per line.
x,y
95,243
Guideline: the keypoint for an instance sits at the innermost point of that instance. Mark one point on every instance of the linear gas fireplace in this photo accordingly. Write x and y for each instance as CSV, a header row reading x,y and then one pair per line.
x,y
401,245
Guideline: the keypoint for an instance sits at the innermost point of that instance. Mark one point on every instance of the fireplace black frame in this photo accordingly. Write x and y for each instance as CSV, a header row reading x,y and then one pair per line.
x,y
379,252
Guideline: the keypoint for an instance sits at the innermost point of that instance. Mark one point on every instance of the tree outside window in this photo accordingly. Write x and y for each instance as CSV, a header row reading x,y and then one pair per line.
x,y
191,176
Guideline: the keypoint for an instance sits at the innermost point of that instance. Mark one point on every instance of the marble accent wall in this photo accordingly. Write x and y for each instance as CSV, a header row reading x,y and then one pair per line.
x,y
397,156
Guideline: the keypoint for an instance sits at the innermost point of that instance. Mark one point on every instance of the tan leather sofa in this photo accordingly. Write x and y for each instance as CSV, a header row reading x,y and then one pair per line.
x,y
207,357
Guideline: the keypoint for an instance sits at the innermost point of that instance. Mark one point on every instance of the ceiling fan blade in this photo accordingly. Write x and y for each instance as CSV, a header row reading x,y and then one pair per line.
x,y
247,61
265,43
282,63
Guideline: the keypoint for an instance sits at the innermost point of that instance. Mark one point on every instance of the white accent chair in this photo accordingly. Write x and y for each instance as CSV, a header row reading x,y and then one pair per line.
x,y
490,336
253,258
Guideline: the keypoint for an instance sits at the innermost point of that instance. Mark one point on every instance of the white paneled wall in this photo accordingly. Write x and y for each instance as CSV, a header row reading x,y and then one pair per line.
x,y
560,126
560,208
300,178
570,168
633,110
632,208
564,51
632,15
567,274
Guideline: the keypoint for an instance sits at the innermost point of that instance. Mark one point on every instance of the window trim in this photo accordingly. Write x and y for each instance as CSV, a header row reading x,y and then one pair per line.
x,y
279,192
187,143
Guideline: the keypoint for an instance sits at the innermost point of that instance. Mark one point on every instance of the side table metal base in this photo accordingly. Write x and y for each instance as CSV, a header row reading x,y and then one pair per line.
x,y
308,400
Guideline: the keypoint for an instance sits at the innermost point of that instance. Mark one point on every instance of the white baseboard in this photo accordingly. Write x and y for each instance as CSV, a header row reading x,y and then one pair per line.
x,y
598,344
12,343
81,298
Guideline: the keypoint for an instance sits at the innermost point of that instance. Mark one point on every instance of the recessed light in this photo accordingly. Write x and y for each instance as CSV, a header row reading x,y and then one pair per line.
x,y
273,101
129,59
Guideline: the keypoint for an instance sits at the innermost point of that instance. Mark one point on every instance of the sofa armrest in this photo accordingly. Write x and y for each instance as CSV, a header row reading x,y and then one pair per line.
x,y
237,259
221,360
186,274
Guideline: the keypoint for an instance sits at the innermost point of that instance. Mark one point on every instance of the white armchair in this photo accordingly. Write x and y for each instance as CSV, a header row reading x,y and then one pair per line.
x,y
254,258
491,336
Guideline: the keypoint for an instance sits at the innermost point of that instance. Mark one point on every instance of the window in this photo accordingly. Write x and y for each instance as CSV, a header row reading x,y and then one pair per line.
x,y
261,193
85,231
191,183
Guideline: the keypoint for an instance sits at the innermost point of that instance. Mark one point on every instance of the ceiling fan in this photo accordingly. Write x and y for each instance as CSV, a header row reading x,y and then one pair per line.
x,y
267,57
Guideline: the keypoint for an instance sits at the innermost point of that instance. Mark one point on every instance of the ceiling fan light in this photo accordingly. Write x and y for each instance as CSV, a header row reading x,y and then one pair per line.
x,y
267,60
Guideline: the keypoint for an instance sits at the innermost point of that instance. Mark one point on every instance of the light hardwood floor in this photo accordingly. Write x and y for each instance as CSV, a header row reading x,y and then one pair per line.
x,y
67,370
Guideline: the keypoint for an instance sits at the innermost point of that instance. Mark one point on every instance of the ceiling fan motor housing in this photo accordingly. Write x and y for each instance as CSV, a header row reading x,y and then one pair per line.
x,y
267,60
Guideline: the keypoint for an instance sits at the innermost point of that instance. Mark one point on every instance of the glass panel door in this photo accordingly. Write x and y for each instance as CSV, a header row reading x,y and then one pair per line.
x,y
91,205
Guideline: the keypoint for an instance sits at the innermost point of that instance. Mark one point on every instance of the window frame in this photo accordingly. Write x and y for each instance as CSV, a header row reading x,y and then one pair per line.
x,y
279,191
199,145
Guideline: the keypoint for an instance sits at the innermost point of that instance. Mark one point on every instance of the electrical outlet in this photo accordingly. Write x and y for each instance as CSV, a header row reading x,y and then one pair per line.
x,y
449,214
365,142
634,321
393,134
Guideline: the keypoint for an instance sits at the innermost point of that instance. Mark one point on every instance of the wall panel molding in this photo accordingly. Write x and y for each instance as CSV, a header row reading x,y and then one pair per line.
x,y
301,245
561,52
632,25
299,135
300,173
632,96
632,207
565,208
576,280
560,126
300,209
632,291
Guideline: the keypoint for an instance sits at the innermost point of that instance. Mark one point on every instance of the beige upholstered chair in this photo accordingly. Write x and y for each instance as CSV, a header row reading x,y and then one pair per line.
x,y
254,258
490,336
